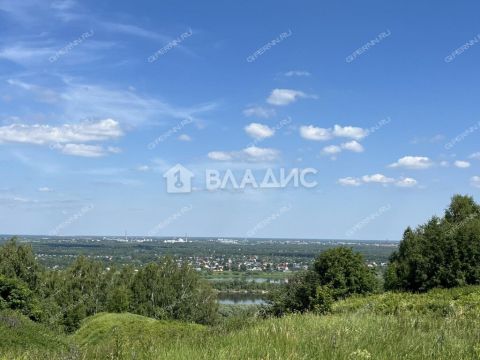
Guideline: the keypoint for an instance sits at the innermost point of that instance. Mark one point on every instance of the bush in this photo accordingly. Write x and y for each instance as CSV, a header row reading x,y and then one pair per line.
x,y
337,273
15,295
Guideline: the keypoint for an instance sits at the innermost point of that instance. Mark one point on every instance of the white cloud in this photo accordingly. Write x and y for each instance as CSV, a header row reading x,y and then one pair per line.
x,y
462,164
84,150
475,156
475,181
353,146
311,132
251,153
350,146
413,162
259,111
281,97
27,54
259,131
377,178
44,189
260,154
114,150
406,182
42,94
184,137
297,73
352,132
46,134
219,155
77,101
350,181
89,101
332,149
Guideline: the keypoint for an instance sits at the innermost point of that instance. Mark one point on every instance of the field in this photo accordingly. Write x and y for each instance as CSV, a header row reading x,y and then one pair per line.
x,y
442,324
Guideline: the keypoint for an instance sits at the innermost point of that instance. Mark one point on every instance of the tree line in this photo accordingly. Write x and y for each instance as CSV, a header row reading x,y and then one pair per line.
x,y
62,298
442,253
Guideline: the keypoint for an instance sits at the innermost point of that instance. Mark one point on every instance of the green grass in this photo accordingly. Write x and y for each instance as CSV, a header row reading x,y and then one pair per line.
x,y
442,324
21,338
464,301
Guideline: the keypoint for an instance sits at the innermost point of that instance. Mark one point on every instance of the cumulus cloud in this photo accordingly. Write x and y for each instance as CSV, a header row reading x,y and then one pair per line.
x,y
353,146
259,131
461,164
260,154
46,134
350,146
352,132
281,97
475,156
413,162
251,153
259,111
219,155
377,178
332,149
350,181
406,182
311,132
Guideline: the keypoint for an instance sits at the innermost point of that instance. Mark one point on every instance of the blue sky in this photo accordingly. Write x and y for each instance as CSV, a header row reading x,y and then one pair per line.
x,y
99,100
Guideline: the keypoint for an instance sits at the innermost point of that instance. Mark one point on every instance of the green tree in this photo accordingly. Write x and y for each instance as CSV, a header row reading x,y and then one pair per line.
x,y
443,252
336,274
15,295
165,290
345,272
18,261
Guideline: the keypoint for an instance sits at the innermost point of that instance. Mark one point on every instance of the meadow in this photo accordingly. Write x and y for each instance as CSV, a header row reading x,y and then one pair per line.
x,y
440,324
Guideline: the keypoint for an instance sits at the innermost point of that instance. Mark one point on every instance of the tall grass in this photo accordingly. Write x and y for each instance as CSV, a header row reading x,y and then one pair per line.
x,y
442,324
357,336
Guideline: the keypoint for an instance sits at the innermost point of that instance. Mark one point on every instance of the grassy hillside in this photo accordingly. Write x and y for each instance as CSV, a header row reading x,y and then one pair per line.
x,y
442,324
23,339
128,335
462,301
353,336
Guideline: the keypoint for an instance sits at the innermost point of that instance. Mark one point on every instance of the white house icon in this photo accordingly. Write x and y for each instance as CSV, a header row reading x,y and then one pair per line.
x,y
179,179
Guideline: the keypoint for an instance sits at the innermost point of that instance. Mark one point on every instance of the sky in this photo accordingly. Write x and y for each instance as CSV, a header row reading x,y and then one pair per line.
x,y
373,103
